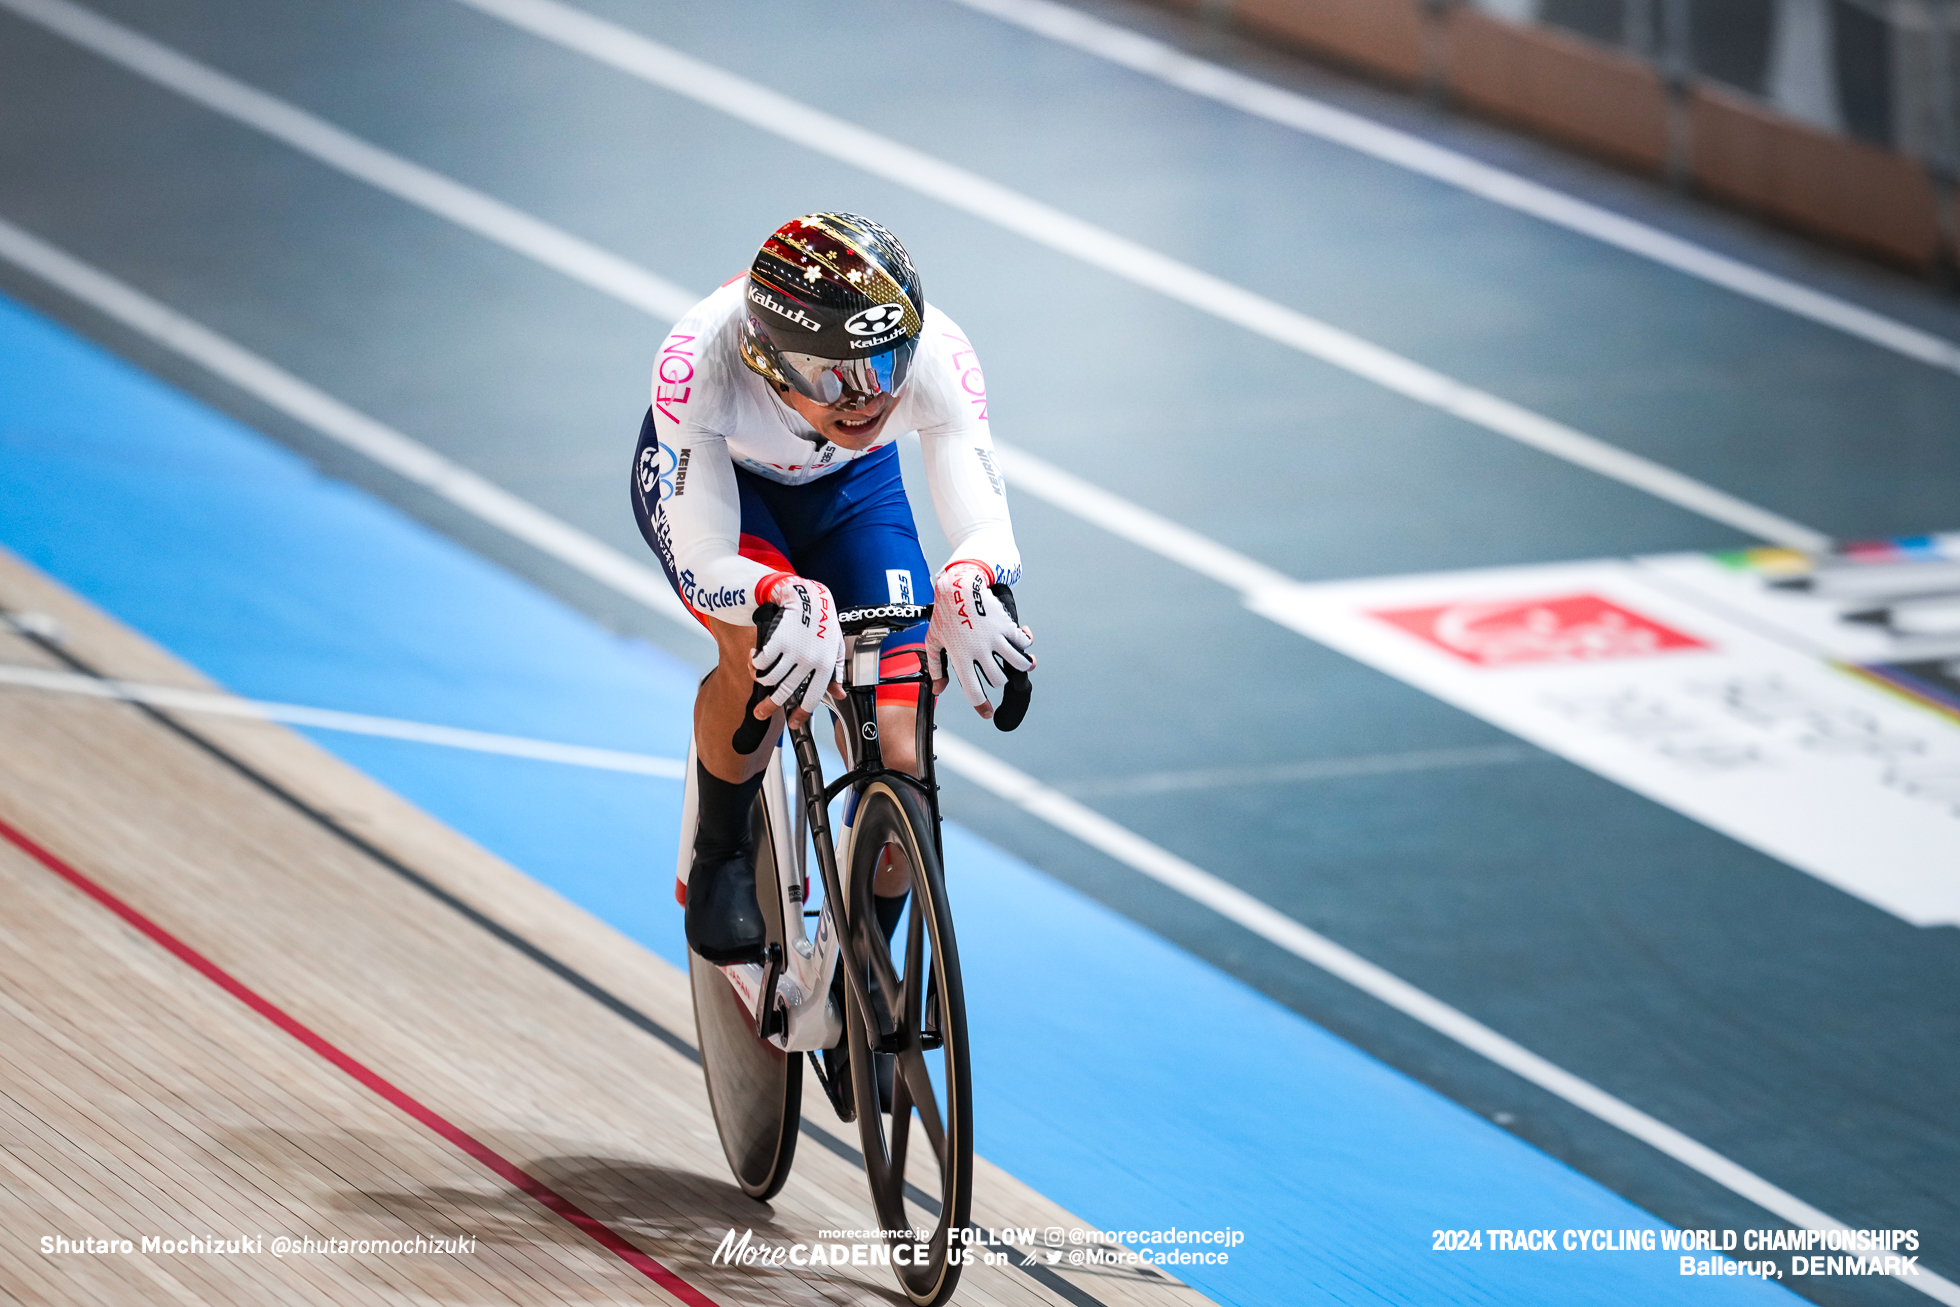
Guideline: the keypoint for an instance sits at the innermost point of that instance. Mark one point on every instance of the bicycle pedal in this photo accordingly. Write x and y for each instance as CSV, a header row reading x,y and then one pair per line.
x,y
889,1038
775,1016
929,1037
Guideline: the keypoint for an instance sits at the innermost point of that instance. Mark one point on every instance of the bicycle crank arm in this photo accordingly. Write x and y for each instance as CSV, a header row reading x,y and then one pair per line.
x,y
770,1019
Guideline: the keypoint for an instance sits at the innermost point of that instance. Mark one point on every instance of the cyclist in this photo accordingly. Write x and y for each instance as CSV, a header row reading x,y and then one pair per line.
x,y
767,474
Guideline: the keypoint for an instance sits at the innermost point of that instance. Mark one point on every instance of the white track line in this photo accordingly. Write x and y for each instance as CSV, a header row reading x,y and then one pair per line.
x,y
1234,904
327,415
1314,117
848,143
328,719
255,376
1137,524
429,190
1309,770
764,108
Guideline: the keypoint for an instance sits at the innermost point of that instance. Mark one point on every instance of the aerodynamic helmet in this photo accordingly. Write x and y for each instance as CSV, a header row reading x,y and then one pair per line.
x,y
834,309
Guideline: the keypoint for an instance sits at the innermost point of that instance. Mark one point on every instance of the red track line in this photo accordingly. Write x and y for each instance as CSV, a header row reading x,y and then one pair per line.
x,y
547,1197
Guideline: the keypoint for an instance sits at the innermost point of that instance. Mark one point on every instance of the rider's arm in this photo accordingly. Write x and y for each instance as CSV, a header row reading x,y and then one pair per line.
x,y
704,522
702,515
693,516
969,491
975,636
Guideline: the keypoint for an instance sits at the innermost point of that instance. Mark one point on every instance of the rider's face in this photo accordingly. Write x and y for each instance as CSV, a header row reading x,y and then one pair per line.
x,y
853,428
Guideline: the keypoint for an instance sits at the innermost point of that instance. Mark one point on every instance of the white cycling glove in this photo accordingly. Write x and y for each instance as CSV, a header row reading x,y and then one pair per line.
x,y
803,652
972,636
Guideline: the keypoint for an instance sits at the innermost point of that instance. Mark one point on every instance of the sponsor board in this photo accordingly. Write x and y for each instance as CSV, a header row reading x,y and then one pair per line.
x,y
1557,628
1753,692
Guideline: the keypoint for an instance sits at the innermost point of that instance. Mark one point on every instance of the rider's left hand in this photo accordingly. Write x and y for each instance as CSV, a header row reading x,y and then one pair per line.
x,y
975,635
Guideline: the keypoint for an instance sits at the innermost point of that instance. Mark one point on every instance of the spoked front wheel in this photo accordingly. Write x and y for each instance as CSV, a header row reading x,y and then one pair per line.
x,y
909,1064
755,1088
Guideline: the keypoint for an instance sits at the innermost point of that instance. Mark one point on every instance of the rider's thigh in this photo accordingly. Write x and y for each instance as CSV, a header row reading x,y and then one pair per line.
x,y
898,736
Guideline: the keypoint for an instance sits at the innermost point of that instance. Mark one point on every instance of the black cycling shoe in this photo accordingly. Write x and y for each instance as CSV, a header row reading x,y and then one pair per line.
x,y
889,910
836,1074
835,1070
724,922
836,1077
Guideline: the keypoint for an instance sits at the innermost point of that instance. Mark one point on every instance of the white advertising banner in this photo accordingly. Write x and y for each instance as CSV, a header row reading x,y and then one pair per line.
x,y
1811,712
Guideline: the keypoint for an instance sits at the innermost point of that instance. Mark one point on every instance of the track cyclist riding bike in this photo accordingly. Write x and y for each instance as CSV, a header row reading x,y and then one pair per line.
x,y
767,477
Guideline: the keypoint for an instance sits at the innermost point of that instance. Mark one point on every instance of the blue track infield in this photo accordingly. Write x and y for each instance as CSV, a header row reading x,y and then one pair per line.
x,y
1128,1080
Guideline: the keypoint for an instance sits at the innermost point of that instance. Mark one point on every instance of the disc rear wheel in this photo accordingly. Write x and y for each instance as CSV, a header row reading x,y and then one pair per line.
x,y
754,1088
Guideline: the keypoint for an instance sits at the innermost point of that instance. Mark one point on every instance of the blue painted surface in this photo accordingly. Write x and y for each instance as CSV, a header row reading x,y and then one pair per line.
x,y
1131,1082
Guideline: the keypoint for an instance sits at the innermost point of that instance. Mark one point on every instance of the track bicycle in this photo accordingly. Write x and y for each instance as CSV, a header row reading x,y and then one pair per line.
x,y
901,1071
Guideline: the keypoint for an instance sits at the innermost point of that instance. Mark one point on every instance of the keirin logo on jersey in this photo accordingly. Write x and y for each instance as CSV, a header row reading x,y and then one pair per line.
x,y
656,471
878,318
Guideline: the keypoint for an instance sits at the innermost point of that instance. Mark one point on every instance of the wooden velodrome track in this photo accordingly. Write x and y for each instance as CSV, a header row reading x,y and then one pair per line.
x,y
226,1015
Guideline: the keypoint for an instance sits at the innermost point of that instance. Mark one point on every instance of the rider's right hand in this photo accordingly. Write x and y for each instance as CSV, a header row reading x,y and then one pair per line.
x,y
801,652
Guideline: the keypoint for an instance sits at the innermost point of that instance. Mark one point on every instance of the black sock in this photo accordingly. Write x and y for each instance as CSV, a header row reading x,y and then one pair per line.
x,y
721,814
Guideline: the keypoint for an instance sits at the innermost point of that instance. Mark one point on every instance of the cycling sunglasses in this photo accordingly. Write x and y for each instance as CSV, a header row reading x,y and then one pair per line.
x,y
848,383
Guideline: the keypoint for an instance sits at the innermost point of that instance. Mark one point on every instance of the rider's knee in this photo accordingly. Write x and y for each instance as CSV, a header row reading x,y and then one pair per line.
x,y
734,645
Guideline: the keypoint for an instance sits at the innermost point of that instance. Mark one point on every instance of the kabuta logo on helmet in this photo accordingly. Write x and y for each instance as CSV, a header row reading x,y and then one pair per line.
x,y
879,318
798,316
878,340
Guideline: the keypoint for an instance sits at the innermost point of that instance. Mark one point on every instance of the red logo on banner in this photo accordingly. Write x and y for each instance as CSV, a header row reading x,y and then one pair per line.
x,y
1575,628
